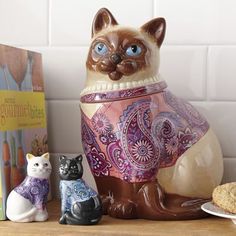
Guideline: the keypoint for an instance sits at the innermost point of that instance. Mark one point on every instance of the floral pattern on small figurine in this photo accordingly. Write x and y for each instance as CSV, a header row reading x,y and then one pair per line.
x,y
80,204
27,202
35,190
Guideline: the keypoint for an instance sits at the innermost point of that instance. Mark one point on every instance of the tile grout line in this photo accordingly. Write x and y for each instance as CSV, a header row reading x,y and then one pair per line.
x,y
223,44
87,45
213,101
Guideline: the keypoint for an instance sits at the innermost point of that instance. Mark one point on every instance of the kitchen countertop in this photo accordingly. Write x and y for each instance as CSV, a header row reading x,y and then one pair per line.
x,y
110,226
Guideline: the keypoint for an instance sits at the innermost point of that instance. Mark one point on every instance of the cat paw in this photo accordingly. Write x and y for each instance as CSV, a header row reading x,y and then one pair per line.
x,y
41,216
62,220
194,202
106,202
188,208
122,209
151,203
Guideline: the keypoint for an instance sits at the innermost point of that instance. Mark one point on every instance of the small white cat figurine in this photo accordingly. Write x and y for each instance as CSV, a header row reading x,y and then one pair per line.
x,y
27,202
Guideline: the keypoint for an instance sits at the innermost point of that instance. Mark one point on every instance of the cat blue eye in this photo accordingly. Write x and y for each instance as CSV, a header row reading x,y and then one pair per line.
x,y
101,48
133,50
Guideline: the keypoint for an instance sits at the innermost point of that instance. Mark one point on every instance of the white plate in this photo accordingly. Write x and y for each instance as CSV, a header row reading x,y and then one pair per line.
x,y
212,209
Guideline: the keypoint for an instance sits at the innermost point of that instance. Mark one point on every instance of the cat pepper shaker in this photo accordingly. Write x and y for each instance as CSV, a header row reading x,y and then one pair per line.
x,y
27,202
80,204
152,154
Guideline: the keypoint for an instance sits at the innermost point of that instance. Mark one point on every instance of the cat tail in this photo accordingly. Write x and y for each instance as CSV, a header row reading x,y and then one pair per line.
x,y
24,217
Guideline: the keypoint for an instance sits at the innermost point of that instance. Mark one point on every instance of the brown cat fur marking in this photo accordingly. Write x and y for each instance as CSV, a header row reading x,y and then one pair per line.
x,y
117,43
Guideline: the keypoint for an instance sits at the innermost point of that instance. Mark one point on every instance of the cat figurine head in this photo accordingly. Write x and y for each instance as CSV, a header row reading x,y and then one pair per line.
x,y
39,166
120,57
71,168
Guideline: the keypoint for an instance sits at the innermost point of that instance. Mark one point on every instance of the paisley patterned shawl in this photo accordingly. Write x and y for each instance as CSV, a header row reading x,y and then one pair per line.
x,y
73,191
132,138
35,190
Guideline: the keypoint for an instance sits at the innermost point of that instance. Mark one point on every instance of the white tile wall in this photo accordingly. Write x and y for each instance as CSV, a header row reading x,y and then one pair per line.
x,y
198,59
198,22
221,73
24,22
64,71
64,126
71,19
184,69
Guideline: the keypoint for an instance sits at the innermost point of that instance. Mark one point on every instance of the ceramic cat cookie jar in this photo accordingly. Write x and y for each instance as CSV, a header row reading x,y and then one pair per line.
x,y
27,202
152,154
80,204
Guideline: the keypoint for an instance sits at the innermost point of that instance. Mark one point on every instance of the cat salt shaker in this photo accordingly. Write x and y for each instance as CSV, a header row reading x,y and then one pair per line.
x,y
27,202
80,204
152,154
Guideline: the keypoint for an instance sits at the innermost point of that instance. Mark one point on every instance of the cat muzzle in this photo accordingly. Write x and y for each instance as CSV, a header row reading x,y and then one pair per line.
x,y
127,67
64,172
115,75
116,67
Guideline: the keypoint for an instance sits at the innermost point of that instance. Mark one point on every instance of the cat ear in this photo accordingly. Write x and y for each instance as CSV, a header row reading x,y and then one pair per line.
x,y
62,158
29,156
156,28
79,158
103,19
46,155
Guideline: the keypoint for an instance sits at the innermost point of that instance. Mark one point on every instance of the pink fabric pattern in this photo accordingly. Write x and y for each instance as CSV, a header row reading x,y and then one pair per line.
x,y
132,138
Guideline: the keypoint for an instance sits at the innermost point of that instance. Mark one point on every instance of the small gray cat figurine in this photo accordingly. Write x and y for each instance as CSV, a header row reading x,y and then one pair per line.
x,y
80,204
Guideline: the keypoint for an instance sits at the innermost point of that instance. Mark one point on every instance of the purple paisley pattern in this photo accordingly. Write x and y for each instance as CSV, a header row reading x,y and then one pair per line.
x,y
178,130
35,190
174,136
101,124
145,134
117,158
185,110
98,162
96,158
136,141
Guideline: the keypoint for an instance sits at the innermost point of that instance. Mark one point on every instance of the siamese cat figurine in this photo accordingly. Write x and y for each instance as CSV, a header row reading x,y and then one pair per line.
x,y
153,155
27,202
80,204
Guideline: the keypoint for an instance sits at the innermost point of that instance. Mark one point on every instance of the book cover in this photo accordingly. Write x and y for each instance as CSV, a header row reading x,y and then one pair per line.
x,y
22,116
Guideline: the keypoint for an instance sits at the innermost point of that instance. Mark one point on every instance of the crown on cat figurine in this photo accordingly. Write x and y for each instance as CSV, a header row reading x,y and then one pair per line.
x,y
27,202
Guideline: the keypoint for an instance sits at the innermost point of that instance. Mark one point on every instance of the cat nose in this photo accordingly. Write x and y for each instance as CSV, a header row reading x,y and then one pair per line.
x,y
116,58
